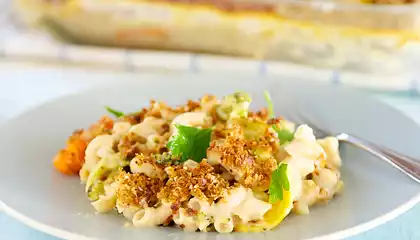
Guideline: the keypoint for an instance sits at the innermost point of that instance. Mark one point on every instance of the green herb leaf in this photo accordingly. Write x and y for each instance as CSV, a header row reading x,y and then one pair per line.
x,y
190,143
114,112
279,182
267,97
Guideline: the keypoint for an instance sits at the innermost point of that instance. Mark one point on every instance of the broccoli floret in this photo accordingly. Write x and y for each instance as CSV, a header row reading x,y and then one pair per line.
x,y
96,190
234,106
101,174
253,129
94,183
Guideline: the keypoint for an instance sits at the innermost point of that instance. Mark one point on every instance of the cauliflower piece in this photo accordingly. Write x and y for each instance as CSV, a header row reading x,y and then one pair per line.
x,y
330,146
308,197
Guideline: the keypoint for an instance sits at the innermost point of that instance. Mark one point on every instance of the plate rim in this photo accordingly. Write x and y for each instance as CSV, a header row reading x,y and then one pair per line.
x,y
342,234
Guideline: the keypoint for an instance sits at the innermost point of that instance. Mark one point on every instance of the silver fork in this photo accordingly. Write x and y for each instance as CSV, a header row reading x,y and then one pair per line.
x,y
404,163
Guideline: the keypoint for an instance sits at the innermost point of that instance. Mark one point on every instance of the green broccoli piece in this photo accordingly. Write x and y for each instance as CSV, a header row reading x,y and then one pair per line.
x,y
253,129
95,190
100,175
234,106
94,183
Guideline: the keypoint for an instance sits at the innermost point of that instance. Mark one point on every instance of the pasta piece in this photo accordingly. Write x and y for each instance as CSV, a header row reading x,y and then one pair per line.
x,y
305,145
202,208
308,149
190,164
192,119
120,129
309,196
213,157
326,179
150,216
330,146
148,127
152,141
128,212
224,208
304,132
251,208
223,225
106,202
303,165
98,143
147,166
185,221
272,218
198,205
239,201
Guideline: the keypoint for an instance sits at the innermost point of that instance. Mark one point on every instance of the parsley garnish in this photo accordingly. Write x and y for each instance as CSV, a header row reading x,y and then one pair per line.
x,y
284,135
114,112
190,143
279,182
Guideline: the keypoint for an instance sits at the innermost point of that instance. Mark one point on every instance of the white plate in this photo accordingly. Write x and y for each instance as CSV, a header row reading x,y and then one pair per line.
x,y
35,193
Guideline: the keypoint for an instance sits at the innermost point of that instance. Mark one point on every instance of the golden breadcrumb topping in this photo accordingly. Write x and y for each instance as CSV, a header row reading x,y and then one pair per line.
x,y
131,144
260,115
201,182
137,190
237,155
142,159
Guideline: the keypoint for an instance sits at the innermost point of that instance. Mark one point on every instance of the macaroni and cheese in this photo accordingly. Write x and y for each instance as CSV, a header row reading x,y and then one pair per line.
x,y
208,165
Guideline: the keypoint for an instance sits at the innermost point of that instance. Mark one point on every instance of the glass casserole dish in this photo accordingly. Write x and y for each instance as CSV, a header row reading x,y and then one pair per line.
x,y
338,35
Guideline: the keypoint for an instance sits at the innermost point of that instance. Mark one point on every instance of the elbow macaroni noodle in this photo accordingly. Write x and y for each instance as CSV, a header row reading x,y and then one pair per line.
x,y
150,217
106,202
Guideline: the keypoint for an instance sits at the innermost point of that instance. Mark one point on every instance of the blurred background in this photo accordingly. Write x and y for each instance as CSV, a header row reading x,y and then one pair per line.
x,y
371,44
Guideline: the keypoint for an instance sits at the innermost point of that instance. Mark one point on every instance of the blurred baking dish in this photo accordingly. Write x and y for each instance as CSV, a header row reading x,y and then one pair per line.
x,y
320,33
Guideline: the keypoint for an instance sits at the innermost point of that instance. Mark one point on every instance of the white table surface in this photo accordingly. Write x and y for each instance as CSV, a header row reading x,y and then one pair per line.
x,y
24,86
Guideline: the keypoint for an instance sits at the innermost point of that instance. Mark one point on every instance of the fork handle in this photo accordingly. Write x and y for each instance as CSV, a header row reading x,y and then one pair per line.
x,y
405,164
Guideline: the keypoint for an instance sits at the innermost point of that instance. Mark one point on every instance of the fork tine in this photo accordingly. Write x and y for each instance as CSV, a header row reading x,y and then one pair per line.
x,y
299,118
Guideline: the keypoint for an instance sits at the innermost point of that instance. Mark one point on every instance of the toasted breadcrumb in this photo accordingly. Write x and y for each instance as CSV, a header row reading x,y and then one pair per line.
x,y
135,118
237,157
141,159
201,182
130,145
137,190
261,115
